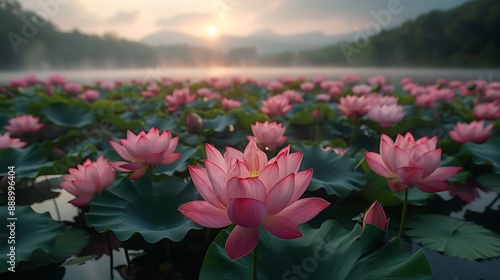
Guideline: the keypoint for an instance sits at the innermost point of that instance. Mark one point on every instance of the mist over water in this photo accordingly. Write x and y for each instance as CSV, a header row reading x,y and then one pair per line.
x,y
260,73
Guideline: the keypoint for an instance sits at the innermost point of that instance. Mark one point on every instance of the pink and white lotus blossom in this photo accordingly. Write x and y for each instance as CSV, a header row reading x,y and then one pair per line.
x,y
351,78
455,84
249,191
474,132
375,215
318,79
179,98
361,89
145,150
381,80
277,105
334,91
487,111
406,80
73,88
228,104
293,96
89,95
411,162
269,134
18,83
354,106
274,86
427,100
7,142
56,80
24,124
88,180
107,85
323,97
386,115
307,86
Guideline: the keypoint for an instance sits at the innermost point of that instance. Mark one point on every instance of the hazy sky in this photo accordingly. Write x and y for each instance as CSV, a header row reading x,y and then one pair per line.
x,y
137,19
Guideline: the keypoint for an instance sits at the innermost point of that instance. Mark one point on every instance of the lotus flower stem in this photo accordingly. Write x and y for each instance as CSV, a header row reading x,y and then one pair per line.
x,y
58,213
317,133
359,163
127,257
254,276
206,239
403,215
354,133
110,248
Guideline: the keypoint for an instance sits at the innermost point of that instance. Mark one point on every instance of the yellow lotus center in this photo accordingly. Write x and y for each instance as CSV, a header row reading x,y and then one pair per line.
x,y
254,174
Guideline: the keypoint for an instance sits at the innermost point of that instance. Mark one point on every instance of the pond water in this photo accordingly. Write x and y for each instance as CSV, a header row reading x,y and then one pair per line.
x,y
151,73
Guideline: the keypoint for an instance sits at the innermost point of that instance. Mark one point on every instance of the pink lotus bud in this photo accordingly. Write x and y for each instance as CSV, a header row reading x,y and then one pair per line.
x,y
317,115
194,123
375,215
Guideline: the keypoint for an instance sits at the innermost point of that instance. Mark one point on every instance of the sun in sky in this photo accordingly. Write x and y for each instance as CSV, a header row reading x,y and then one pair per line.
x,y
212,31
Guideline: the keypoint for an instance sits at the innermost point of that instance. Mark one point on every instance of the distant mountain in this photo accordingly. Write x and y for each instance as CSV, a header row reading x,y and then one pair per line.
x,y
265,41
468,35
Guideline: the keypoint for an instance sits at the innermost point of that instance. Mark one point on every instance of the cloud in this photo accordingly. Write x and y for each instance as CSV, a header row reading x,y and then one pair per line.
x,y
123,17
186,19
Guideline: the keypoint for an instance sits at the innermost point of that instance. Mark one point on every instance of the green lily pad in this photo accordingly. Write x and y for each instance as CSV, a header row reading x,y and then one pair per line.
x,y
329,252
67,243
490,181
27,161
219,123
304,117
332,172
67,115
245,120
453,237
486,152
144,208
33,231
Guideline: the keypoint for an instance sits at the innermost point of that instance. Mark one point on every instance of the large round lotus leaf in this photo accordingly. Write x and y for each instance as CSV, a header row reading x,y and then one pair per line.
x,y
33,231
67,115
332,172
488,152
453,237
145,208
27,161
68,243
329,252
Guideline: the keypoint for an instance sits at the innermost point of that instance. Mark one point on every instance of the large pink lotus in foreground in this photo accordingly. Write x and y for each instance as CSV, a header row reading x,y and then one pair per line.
x,y
249,191
411,162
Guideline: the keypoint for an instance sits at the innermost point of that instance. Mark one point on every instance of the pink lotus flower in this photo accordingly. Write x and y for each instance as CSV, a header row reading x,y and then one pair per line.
x,y
334,91
441,81
406,80
387,89
444,94
248,190
354,106
7,142
277,105
56,80
375,215
107,85
323,97
467,192
147,94
307,86
222,85
351,78
487,111
179,98
338,151
89,95
32,79
145,150
228,104
377,79
88,180
426,100
361,89
408,162
269,134
153,87
18,83
384,100
455,84
274,86
474,132
386,115
318,79
293,96
73,88
24,124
